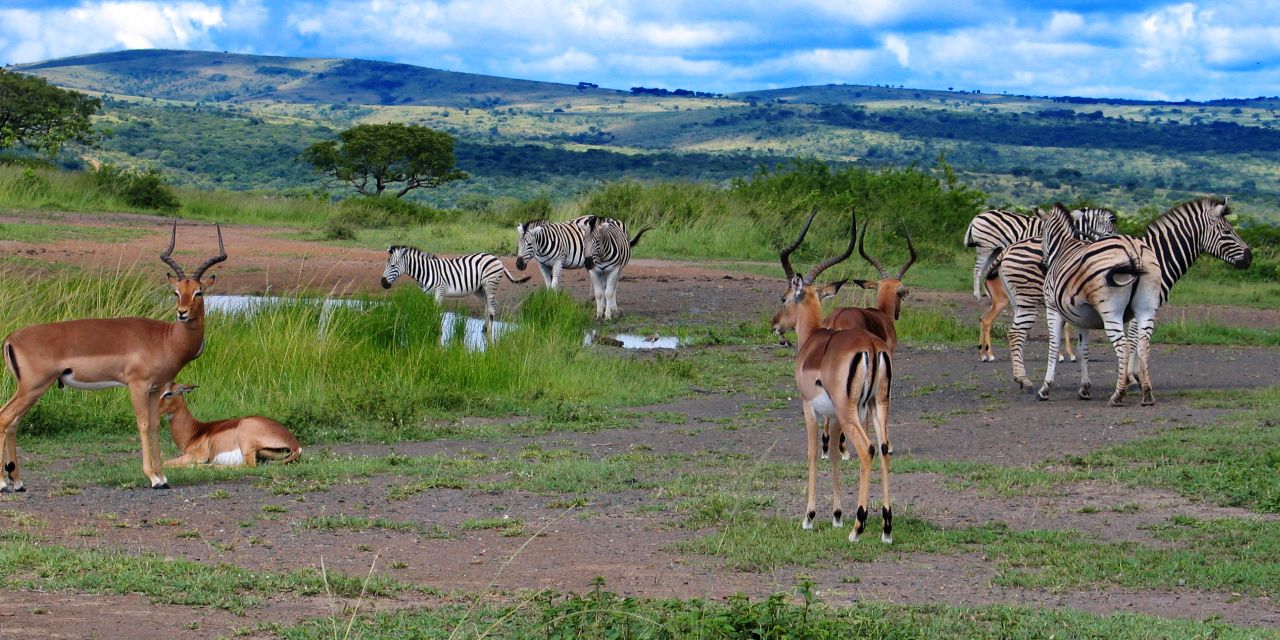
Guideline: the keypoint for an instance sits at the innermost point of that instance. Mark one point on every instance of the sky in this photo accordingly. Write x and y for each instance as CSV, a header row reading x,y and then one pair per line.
x,y
1140,49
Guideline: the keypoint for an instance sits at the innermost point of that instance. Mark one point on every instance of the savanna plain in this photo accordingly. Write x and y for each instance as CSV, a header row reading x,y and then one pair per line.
x,y
554,489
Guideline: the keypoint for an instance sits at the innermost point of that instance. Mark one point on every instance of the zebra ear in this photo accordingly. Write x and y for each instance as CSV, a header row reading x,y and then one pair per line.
x,y
519,228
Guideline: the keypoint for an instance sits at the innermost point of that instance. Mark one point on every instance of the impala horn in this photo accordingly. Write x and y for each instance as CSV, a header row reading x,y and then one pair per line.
x,y
167,256
222,255
786,253
830,262
884,275
910,247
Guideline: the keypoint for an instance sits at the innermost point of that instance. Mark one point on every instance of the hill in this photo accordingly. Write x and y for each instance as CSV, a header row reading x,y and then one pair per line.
x,y
239,121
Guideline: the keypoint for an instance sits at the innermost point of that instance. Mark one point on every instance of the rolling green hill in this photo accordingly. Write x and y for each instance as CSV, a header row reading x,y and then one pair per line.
x,y
239,121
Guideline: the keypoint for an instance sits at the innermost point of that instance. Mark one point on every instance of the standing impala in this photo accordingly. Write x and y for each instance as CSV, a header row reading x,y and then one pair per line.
x,y
139,353
845,377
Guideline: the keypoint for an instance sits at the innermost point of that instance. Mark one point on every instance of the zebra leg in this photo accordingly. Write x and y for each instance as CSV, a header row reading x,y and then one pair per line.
x,y
1055,338
555,273
491,312
1023,317
1144,330
984,258
611,293
549,277
597,291
1133,354
1084,393
1120,341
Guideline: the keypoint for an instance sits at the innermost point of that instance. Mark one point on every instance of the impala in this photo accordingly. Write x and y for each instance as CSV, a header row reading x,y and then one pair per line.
x,y
231,442
139,353
845,377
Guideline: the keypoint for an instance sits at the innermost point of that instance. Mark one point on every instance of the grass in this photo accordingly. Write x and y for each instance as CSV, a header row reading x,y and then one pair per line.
x,y
603,614
162,580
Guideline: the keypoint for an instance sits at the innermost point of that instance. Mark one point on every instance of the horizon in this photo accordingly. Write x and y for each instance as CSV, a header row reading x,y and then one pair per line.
x,y
1145,50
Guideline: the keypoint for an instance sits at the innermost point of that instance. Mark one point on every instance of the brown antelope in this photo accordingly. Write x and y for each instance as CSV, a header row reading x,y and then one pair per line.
x,y
844,376
879,320
139,353
232,442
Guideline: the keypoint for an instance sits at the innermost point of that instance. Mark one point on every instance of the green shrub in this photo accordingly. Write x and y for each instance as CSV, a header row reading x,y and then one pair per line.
x,y
144,190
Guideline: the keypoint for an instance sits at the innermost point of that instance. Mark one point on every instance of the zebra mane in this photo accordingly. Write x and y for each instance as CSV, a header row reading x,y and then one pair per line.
x,y
410,249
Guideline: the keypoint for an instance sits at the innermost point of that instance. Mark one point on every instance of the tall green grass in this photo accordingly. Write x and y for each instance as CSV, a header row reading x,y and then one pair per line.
x,y
368,373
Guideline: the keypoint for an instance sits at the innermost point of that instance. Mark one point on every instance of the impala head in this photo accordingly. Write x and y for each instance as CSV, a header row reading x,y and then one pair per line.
x,y
171,397
524,241
1217,237
190,289
889,290
395,265
803,294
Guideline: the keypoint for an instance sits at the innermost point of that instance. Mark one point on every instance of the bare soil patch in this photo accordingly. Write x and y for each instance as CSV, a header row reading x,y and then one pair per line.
x,y
949,407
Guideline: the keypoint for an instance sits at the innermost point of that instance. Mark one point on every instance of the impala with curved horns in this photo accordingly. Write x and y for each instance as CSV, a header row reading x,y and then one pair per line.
x,y
880,320
844,376
139,353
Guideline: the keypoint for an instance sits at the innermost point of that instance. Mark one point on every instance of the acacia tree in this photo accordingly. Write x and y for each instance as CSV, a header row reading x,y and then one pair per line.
x,y
43,117
372,158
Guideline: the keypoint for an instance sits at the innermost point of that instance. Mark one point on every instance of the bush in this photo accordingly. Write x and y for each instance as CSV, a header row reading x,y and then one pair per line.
x,y
380,212
144,190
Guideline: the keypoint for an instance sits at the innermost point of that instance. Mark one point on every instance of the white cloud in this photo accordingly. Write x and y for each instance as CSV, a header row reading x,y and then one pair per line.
x,y
99,26
899,48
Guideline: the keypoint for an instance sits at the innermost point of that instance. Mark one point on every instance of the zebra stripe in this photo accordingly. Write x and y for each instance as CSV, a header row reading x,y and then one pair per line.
x,y
1185,231
477,273
993,230
1097,286
555,245
1021,271
610,251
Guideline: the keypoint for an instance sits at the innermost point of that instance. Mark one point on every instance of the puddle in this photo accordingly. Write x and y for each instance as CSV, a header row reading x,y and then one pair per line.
x,y
473,337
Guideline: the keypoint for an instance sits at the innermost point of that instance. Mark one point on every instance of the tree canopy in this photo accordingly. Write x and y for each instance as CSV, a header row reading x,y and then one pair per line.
x,y
372,158
38,115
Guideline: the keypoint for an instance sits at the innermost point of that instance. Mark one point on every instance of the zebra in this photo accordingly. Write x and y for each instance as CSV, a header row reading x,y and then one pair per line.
x,y
477,274
555,245
610,250
991,231
1020,272
1100,285
595,243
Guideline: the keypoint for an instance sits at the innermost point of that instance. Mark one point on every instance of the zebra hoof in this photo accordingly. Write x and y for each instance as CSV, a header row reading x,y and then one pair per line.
x,y
1117,400
1042,394
1085,393
1147,398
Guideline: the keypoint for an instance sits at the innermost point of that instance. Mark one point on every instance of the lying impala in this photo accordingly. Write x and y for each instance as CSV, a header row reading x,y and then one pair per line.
x,y
880,320
843,375
231,442
139,353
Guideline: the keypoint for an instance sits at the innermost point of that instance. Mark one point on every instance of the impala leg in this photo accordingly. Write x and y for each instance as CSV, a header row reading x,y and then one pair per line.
x,y
184,460
1055,338
886,449
999,301
145,406
1086,385
1066,347
10,415
811,440
837,513
857,435
1024,316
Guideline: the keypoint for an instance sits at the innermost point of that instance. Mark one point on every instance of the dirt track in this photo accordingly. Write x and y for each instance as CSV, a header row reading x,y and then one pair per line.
x,y
951,407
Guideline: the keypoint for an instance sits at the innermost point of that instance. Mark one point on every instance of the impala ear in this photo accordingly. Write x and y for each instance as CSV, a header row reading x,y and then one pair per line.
x,y
205,284
173,280
830,289
867,284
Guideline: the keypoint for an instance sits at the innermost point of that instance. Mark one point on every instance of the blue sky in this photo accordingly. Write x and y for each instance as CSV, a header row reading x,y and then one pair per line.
x,y
1126,49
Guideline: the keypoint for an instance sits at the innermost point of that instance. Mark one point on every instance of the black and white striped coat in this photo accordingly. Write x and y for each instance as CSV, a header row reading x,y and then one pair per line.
x,y
1021,270
476,274
610,250
555,246
1189,229
1100,285
991,231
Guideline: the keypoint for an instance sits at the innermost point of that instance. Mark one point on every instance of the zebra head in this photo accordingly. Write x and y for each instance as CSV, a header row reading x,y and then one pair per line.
x,y
395,265
1216,236
1056,227
525,235
1093,223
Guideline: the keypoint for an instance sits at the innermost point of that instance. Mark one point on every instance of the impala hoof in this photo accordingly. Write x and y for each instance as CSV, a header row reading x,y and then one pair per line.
x,y
886,538
6,489
807,524
162,485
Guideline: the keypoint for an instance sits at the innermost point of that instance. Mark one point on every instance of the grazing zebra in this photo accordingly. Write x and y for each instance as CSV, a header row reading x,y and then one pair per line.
x,y
991,231
1100,285
477,273
555,245
1021,273
610,251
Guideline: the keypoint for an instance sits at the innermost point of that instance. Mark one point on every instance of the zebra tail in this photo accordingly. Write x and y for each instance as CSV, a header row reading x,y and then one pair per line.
x,y
968,237
991,269
513,278
637,238
1132,269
